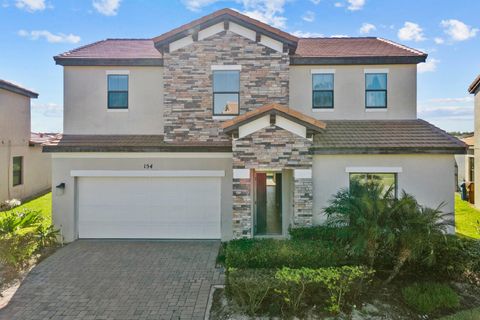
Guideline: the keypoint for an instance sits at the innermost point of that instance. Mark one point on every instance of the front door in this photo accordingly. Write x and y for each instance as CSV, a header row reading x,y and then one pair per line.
x,y
268,203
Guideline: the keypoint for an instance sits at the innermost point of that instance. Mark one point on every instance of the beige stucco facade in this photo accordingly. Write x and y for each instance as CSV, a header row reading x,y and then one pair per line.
x,y
64,201
477,144
349,91
430,178
14,142
85,101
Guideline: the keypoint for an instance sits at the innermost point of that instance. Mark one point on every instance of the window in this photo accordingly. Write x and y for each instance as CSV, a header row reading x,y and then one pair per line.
x,y
388,180
375,90
226,92
17,171
322,85
117,91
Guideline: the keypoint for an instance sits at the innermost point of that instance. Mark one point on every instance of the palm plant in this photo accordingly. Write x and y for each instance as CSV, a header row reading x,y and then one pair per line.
x,y
417,230
364,210
13,222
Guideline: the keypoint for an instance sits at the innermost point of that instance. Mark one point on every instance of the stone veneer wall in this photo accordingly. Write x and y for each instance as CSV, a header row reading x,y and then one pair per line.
x,y
271,148
264,79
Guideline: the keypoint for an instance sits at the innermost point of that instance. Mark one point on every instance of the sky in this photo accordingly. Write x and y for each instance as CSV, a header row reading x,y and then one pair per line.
x,y
33,31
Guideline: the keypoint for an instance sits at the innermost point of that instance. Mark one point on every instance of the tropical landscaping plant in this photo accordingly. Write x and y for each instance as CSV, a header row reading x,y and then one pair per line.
x,y
430,297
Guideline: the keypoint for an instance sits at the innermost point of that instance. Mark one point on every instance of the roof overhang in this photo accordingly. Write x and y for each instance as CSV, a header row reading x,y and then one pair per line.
x,y
387,150
474,86
137,62
225,15
297,60
17,89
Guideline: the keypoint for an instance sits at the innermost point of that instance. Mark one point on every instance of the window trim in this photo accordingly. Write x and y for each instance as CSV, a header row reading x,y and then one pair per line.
x,y
332,91
214,114
21,171
376,90
395,175
117,91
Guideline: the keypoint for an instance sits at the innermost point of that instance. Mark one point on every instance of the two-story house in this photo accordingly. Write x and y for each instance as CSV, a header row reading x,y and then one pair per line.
x,y
474,89
24,170
227,127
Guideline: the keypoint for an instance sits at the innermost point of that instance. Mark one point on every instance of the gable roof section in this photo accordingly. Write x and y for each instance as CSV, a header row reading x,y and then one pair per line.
x,y
17,89
385,136
224,15
274,109
113,52
474,85
368,50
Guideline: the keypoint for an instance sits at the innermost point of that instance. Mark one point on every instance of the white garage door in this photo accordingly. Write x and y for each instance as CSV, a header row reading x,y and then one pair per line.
x,y
149,207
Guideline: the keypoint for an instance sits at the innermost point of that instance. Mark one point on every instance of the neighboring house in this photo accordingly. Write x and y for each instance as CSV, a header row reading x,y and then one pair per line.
x,y
227,127
24,170
474,89
466,162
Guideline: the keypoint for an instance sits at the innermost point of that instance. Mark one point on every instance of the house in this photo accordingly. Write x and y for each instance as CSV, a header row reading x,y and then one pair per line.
x,y
152,147
465,162
24,170
474,89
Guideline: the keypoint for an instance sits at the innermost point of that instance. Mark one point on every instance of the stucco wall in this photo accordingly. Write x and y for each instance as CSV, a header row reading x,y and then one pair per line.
x,y
36,172
14,118
349,92
64,203
477,146
430,178
85,101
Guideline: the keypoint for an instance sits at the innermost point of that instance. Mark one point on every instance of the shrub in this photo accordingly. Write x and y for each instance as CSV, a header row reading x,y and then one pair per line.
x,y
323,233
249,288
430,297
17,250
269,253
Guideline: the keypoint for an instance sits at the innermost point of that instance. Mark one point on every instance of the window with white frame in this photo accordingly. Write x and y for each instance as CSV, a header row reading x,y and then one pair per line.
x,y
375,90
322,93
387,180
226,92
117,91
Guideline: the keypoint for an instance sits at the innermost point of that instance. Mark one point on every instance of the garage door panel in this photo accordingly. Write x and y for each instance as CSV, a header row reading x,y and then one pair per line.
x,y
149,207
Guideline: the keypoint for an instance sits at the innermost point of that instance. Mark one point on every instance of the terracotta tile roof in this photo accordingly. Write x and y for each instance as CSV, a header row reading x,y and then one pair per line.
x,y
470,141
366,136
12,87
352,47
128,143
126,49
475,84
225,12
37,138
273,108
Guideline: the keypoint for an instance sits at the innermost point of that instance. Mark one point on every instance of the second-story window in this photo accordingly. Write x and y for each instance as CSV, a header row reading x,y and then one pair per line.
x,y
226,92
117,91
375,90
322,96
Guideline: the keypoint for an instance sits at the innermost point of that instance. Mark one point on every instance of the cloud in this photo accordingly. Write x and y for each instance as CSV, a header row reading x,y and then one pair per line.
x,y
446,112
309,16
366,28
354,5
31,5
48,109
197,5
267,11
339,36
50,37
452,100
302,34
457,30
338,4
429,66
315,1
411,32
439,40
106,7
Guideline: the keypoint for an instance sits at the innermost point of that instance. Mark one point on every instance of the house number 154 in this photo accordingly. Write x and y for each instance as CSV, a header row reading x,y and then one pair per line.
x,y
148,166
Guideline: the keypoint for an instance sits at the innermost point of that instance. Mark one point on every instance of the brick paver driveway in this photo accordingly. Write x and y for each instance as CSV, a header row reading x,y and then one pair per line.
x,y
96,279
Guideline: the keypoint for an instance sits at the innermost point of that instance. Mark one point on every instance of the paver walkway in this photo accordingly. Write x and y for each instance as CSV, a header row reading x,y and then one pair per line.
x,y
116,279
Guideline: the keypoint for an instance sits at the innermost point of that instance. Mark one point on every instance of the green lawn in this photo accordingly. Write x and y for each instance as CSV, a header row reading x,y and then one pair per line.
x,y
42,204
466,218
473,314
